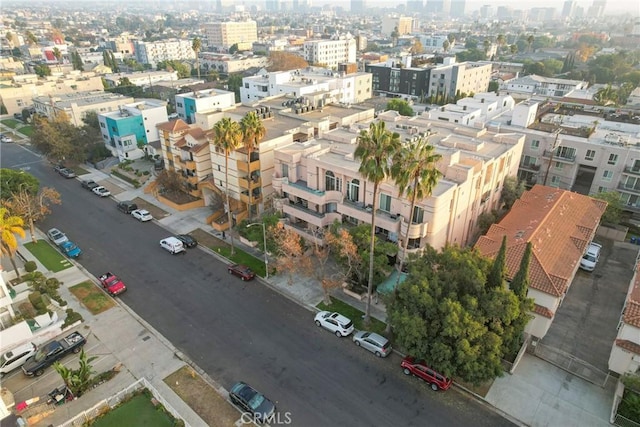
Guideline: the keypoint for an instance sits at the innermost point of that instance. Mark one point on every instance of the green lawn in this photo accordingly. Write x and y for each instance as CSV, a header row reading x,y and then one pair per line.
x,y
26,130
11,123
48,256
354,314
242,257
139,411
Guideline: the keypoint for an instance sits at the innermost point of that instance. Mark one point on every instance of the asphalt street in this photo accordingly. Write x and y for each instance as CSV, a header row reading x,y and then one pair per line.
x,y
238,330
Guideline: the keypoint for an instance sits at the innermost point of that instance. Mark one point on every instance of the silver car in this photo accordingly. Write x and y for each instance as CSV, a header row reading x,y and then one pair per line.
x,y
57,236
376,344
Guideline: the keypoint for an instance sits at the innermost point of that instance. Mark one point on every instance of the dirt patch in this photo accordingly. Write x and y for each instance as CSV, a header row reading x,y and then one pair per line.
x,y
208,240
155,211
202,398
92,297
178,197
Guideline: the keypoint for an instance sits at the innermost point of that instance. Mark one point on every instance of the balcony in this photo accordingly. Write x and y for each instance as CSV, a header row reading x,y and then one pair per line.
x,y
248,183
243,166
388,221
632,170
255,198
310,216
416,230
565,158
629,188
318,197
529,167
355,210
317,238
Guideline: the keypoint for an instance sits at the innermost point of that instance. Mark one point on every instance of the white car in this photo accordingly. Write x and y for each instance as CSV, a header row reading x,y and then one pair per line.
x,y
15,358
5,138
173,245
101,191
334,322
57,236
142,215
591,257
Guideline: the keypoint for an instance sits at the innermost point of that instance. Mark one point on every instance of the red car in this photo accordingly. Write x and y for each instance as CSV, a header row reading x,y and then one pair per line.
x,y
112,284
242,271
424,372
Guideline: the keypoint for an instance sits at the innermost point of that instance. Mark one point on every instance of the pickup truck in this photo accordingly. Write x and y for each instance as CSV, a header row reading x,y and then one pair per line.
x,y
52,352
112,284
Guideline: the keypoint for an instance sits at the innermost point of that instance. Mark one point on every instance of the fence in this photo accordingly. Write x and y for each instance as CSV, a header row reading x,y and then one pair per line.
x,y
110,402
624,422
570,363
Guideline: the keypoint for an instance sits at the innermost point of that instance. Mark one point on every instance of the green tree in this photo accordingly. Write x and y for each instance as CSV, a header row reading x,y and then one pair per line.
x,y
227,137
77,61
31,206
512,189
58,56
401,106
77,380
498,273
42,70
234,83
494,86
31,38
416,175
252,133
613,213
530,41
14,180
196,45
233,49
174,65
376,146
514,333
446,45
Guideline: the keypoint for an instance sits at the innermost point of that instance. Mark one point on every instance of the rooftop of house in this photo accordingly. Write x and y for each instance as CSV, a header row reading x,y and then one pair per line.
x,y
65,100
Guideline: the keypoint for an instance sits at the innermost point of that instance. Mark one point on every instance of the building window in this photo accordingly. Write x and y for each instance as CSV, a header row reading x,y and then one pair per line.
x,y
555,181
613,159
413,244
591,154
535,144
331,183
418,215
179,104
285,171
385,202
607,175
353,192
558,166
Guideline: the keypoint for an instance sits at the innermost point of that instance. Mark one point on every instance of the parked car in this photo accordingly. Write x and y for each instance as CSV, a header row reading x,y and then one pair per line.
x,y
70,249
376,344
101,191
334,322
421,370
5,138
57,236
242,271
51,352
187,240
67,173
158,165
142,215
89,184
127,206
112,284
250,400
173,245
591,257
16,357
59,167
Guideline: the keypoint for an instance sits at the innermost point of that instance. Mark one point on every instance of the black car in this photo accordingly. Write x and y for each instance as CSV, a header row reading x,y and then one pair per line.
x,y
187,240
89,184
251,401
127,206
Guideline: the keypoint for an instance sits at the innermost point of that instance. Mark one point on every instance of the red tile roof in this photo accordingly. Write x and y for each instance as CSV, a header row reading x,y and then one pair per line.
x,y
558,223
632,308
173,126
543,311
629,346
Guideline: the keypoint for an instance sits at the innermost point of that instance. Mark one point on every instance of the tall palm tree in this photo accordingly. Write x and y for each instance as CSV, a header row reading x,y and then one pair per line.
x,y
530,41
58,55
252,133
10,227
227,137
375,150
196,45
414,171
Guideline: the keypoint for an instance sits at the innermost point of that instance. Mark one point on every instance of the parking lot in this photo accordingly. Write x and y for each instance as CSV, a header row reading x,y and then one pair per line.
x,y
585,325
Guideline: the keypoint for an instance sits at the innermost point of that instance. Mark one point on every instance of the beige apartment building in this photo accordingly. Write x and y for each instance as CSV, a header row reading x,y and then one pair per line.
x,y
226,34
77,105
18,93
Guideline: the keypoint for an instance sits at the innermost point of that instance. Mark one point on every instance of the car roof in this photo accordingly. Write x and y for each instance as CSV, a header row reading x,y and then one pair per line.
x,y
339,317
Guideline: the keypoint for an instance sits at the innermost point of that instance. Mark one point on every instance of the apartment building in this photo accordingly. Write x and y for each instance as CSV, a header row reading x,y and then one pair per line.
x,y
18,92
330,53
318,183
400,24
225,63
129,131
188,104
163,50
141,78
560,225
474,111
223,35
433,42
315,86
547,87
625,351
390,79
452,79
76,105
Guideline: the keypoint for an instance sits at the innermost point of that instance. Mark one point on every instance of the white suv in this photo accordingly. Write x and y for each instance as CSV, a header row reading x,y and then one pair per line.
x,y
172,245
591,257
335,322
15,358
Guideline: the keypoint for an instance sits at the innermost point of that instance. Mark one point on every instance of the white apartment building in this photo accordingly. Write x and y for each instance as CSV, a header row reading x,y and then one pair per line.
x,y
318,183
433,42
316,86
464,77
141,78
330,53
548,87
625,352
188,104
163,50
225,63
76,105
475,111
18,92
226,34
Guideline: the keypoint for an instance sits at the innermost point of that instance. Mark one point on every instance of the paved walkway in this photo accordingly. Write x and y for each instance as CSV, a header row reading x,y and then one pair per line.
x,y
537,394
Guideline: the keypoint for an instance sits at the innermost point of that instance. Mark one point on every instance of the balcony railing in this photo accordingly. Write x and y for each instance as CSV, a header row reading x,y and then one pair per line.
x,y
632,170
569,158
243,166
530,167
629,188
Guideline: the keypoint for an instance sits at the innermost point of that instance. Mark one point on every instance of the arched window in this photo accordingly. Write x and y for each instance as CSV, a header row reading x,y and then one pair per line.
x,y
354,190
331,183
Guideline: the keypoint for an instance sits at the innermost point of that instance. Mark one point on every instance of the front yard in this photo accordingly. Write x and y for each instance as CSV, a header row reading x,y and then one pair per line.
x,y
92,297
138,411
48,256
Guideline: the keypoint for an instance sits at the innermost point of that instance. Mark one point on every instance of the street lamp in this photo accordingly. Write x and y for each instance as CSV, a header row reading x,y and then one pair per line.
x,y
264,238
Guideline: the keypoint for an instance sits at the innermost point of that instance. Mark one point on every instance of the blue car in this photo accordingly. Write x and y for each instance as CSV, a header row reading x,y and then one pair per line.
x,y
70,249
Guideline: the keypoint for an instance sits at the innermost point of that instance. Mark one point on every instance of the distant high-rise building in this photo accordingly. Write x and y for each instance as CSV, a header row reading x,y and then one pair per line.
x,y
503,12
486,11
301,5
597,9
226,34
415,5
438,7
457,8
272,5
569,9
358,6
403,25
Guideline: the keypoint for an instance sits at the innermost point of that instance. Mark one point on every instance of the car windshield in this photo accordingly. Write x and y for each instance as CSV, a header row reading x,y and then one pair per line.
x,y
41,354
256,401
70,247
348,325
589,258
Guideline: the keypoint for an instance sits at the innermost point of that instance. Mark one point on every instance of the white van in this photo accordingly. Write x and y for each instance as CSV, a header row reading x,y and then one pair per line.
x,y
173,245
15,358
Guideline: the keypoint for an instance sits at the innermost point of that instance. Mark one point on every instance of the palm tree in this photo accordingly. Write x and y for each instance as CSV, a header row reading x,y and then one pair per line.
x,y
227,137
414,171
530,41
252,133
10,227
196,45
501,41
375,149
58,55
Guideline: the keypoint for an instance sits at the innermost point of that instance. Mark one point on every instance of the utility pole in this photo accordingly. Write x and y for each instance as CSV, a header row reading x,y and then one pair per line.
x,y
552,152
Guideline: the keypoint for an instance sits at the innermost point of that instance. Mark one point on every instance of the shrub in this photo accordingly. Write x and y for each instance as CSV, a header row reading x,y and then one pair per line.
x,y
30,266
35,298
72,317
145,173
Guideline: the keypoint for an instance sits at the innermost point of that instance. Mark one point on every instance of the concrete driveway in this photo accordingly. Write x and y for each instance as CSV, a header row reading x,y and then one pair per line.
x,y
586,324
